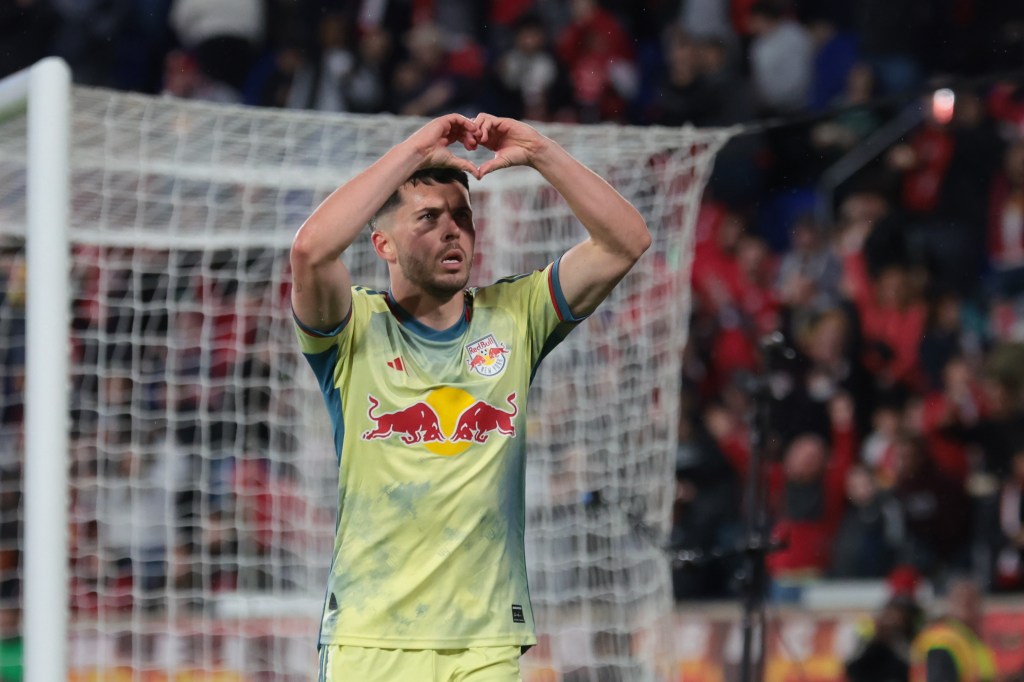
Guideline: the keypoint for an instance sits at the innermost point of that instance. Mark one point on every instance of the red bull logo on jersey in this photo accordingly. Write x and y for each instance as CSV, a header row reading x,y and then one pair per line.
x,y
487,356
447,422
414,424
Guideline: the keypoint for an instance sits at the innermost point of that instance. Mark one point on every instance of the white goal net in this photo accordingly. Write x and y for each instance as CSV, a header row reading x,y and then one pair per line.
x,y
202,473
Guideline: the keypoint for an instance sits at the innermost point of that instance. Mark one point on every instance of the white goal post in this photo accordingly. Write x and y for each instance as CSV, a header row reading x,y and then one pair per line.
x,y
44,92
177,469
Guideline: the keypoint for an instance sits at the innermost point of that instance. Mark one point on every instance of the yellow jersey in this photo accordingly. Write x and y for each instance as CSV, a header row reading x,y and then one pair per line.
x,y
429,432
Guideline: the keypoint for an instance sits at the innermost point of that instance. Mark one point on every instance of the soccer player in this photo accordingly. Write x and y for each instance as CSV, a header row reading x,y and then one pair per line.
x,y
426,387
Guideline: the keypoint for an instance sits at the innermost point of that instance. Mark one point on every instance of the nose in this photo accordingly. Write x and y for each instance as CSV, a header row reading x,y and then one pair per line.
x,y
450,229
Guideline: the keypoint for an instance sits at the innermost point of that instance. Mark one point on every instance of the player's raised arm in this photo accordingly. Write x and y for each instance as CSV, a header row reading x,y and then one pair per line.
x,y
618,233
321,286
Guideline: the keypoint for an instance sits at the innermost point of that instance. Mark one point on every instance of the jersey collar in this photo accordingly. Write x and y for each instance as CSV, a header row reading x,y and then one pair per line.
x,y
415,326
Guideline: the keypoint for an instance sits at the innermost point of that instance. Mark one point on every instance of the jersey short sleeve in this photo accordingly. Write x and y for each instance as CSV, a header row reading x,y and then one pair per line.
x,y
537,301
327,354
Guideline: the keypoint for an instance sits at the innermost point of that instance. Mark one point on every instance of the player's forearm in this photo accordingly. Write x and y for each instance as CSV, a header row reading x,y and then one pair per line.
x,y
337,222
613,223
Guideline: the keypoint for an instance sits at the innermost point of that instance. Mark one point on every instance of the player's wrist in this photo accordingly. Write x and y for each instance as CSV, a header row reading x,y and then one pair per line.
x,y
410,156
544,153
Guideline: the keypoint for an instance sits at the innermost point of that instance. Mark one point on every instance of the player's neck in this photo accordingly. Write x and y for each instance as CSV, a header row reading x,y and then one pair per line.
x,y
438,313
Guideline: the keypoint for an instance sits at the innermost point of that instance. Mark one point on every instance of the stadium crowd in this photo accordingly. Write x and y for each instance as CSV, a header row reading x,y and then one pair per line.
x,y
895,438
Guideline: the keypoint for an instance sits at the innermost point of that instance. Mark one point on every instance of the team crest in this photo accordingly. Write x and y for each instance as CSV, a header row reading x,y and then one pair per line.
x,y
487,356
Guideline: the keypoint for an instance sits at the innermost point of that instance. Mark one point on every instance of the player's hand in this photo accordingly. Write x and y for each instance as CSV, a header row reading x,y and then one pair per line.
x,y
513,142
432,141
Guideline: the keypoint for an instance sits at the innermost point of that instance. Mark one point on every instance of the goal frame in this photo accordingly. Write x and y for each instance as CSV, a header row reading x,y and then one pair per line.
x,y
43,91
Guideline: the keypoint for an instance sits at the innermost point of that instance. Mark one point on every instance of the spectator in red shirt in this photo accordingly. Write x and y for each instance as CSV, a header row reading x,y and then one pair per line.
x,y
923,161
599,56
807,494
757,299
958,405
892,320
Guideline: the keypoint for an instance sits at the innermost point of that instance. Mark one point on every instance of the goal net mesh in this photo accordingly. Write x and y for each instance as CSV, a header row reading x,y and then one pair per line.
x,y
203,478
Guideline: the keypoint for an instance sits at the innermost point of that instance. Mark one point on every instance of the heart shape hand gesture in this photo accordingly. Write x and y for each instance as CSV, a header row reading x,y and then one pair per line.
x,y
514,143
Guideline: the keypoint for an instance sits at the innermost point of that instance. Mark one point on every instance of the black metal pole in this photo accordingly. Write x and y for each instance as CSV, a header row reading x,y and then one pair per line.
x,y
757,543
752,578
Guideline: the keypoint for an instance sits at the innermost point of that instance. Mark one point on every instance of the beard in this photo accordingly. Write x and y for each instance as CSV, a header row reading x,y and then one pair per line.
x,y
423,273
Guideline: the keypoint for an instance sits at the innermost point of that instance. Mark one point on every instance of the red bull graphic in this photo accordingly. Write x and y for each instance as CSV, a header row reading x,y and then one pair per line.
x,y
487,356
445,411
477,422
413,424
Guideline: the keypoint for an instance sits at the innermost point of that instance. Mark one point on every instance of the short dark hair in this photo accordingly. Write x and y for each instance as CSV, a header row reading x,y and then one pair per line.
x,y
428,176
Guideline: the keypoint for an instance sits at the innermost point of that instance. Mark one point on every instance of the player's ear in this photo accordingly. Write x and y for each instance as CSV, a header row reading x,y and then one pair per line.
x,y
383,246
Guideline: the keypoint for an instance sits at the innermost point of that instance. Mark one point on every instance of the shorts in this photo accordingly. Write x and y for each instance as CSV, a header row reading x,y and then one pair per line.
x,y
344,663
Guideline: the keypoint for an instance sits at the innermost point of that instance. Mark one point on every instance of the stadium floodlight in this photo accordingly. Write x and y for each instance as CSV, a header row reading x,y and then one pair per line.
x,y
202,487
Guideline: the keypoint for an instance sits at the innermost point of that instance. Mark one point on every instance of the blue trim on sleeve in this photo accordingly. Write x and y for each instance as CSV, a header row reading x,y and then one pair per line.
x,y
319,334
561,305
323,365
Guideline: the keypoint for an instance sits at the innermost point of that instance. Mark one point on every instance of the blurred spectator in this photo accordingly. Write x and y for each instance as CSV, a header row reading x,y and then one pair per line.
x,y
878,451
835,58
809,273
530,81
946,168
957,406
435,79
1006,224
222,34
319,82
935,509
999,432
857,118
883,652
1006,104
977,152
705,514
504,18
366,90
272,83
184,79
807,496
781,57
756,293
889,31
599,57
737,174
942,340
871,532
130,501
733,95
707,19
922,162
684,95
1009,562
892,316
832,366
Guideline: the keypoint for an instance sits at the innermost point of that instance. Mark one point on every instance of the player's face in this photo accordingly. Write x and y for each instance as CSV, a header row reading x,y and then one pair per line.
x,y
433,237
